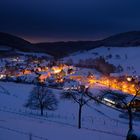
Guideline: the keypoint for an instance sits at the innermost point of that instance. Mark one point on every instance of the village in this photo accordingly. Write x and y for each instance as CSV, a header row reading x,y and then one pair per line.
x,y
48,72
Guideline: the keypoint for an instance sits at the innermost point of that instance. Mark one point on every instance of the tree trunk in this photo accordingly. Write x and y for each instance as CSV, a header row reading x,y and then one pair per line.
x,y
130,119
30,136
79,116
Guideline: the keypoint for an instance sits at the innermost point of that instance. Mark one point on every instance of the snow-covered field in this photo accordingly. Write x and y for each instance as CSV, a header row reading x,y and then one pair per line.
x,y
45,130
128,57
16,122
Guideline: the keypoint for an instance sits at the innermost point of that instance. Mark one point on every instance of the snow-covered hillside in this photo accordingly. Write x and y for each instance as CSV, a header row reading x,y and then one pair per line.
x,y
99,122
127,57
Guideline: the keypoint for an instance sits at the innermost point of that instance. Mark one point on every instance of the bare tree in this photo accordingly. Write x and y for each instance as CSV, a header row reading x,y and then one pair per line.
x,y
80,97
41,98
129,106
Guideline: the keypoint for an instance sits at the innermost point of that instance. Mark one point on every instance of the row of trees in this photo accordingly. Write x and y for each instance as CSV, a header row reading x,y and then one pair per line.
x,y
42,98
100,64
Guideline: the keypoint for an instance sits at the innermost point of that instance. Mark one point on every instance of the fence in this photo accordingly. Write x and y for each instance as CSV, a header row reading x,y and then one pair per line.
x,y
88,122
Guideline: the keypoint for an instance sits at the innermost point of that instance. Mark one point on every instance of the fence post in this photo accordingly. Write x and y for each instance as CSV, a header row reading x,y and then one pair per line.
x,y
104,122
92,120
117,123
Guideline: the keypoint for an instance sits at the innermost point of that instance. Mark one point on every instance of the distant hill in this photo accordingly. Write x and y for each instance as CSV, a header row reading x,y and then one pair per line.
x,y
10,43
64,48
14,42
123,39
60,49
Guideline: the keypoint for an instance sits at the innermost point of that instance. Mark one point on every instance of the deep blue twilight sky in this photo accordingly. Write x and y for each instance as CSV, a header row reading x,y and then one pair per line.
x,y
56,20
